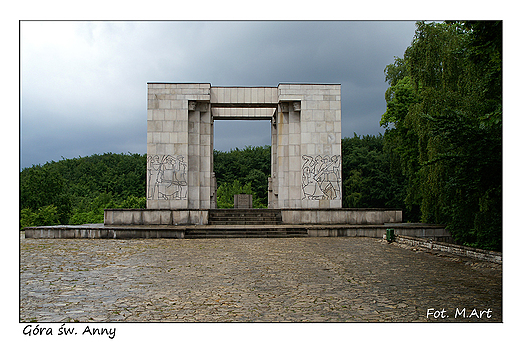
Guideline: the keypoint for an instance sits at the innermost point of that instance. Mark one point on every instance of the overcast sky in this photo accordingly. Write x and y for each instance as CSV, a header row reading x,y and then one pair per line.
x,y
84,84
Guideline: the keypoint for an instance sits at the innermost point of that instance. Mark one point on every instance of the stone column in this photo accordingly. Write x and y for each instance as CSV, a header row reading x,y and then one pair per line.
x,y
288,155
272,195
200,151
309,146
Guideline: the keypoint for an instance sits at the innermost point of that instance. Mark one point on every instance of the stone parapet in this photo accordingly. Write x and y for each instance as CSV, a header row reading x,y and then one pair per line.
x,y
357,216
476,253
101,231
433,232
155,217
330,216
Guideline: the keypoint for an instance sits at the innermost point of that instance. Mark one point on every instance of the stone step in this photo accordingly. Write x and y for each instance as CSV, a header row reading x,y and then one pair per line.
x,y
242,223
239,214
207,233
223,216
244,216
244,212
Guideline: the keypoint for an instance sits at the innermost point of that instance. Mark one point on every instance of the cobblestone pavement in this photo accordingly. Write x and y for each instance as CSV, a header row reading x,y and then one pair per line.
x,y
251,280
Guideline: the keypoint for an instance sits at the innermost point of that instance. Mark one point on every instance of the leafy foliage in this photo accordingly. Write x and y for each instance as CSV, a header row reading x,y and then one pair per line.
x,y
367,178
41,187
249,167
75,191
44,216
444,127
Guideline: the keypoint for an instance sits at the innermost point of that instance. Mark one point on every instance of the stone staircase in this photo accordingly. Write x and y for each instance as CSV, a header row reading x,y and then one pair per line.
x,y
245,223
245,217
250,231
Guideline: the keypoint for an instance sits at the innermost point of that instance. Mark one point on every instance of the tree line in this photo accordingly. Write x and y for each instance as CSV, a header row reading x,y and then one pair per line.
x,y
440,158
76,191
444,128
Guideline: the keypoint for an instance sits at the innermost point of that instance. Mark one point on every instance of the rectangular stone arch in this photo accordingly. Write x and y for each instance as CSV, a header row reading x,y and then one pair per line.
x,y
305,137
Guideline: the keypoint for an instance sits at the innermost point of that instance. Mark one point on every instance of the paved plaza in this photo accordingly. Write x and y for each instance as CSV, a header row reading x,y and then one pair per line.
x,y
251,280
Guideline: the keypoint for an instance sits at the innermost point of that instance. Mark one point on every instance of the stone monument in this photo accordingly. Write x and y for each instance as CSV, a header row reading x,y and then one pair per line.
x,y
305,183
305,142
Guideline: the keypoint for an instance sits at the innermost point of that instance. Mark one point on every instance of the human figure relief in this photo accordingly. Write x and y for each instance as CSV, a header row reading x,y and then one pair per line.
x,y
321,178
167,177
154,169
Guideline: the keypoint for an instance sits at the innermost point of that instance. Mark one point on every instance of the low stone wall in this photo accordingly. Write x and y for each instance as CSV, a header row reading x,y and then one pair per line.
x,y
476,253
116,217
428,231
364,231
341,216
158,230
99,231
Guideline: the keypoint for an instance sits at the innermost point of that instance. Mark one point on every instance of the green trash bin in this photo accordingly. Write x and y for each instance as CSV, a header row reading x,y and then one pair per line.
x,y
390,235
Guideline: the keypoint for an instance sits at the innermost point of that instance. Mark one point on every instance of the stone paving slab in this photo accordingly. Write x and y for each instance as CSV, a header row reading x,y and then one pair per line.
x,y
251,280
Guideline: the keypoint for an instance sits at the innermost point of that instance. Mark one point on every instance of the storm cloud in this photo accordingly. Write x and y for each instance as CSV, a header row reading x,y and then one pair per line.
x,y
83,84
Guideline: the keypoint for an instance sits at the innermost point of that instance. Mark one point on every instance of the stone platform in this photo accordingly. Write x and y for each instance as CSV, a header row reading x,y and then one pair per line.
x,y
237,223
102,231
359,216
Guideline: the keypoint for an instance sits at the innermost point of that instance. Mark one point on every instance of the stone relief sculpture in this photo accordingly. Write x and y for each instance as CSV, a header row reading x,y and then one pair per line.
x,y
167,178
321,177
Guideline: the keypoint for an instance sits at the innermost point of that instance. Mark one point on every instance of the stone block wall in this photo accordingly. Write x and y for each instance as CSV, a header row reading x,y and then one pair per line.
x,y
342,216
153,217
465,251
306,142
179,146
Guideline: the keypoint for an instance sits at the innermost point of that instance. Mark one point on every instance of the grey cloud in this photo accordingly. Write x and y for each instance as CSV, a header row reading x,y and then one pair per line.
x,y
84,91
231,134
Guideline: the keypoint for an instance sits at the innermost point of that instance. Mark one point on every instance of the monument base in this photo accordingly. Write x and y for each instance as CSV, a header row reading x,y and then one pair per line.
x,y
288,216
101,231
245,223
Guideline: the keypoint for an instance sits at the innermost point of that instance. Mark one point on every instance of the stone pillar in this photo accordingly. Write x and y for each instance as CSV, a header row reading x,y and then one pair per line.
x,y
200,151
288,155
309,146
179,140
213,190
272,195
